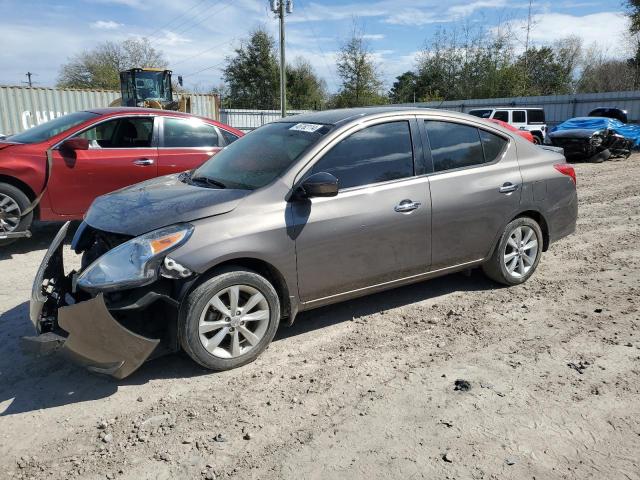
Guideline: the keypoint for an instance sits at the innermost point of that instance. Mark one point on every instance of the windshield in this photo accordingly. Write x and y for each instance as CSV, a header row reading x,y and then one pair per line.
x,y
152,86
258,158
52,128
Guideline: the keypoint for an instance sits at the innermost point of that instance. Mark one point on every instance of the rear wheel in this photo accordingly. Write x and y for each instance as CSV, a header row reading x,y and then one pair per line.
x,y
229,320
537,139
518,253
13,202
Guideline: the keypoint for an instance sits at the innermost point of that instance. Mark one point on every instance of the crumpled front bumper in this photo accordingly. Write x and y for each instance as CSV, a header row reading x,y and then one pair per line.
x,y
94,338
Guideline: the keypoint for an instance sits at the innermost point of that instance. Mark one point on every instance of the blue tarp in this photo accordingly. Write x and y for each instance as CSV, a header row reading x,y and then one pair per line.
x,y
627,130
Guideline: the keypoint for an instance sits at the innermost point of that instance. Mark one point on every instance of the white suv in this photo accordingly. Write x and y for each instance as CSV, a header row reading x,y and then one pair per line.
x,y
531,119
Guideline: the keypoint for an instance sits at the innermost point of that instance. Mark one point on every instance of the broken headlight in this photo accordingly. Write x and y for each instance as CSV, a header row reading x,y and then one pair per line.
x,y
597,139
134,263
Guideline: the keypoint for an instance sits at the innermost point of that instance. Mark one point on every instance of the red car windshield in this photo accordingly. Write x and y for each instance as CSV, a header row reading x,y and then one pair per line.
x,y
51,128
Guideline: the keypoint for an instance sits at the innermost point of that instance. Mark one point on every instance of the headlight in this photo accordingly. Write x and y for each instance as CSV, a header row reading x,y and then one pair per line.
x,y
597,138
134,263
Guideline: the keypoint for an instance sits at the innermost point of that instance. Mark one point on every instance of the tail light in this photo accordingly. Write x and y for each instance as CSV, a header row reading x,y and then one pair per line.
x,y
566,169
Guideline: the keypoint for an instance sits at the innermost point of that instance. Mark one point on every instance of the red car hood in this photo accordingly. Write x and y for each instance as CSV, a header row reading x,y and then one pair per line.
x,y
4,145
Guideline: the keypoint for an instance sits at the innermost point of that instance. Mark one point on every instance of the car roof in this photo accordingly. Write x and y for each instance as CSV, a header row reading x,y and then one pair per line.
x,y
507,108
344,115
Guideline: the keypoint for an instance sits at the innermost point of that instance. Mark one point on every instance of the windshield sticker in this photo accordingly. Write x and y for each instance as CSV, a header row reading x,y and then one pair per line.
x,y
306,127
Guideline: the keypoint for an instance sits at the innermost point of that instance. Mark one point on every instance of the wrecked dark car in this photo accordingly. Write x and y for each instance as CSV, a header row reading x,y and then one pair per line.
x,y
298,214
594,139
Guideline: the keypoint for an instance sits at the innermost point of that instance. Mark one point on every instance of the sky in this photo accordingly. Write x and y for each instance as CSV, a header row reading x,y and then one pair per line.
x,y
197,35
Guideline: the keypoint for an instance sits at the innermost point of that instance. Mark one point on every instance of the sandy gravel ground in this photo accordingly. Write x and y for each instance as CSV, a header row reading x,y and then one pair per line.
x,y
365,389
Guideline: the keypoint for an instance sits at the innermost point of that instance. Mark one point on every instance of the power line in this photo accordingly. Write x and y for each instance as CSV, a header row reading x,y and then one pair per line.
x,y
203,52
205,18
319,45
159,29
204,69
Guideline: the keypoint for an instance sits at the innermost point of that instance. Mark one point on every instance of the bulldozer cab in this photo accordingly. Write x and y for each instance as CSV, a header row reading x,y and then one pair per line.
x,y
146,87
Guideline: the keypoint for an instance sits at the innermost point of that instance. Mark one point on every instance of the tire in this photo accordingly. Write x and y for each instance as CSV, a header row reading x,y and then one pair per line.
x,y
12,196
198,310
537,139
496,268
599,157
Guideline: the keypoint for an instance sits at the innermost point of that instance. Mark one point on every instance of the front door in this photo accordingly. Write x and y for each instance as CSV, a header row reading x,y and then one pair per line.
x,y
475,190
121,153
186,144
377,228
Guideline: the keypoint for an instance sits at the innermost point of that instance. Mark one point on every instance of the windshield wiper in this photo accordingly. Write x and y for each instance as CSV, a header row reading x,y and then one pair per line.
x,y
209,181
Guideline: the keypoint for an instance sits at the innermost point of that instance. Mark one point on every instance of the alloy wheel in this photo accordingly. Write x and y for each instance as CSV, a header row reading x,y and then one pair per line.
x,y
521,251
234,321
10,213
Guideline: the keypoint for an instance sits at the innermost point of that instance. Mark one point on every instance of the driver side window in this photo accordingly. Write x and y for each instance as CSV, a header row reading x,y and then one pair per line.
x,y
374,154
120,133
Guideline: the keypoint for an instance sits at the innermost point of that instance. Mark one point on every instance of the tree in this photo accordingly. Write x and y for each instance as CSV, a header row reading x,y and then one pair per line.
x,y
634,15
361,84
544,73
100,67
305,90
404,89
252,75
602,74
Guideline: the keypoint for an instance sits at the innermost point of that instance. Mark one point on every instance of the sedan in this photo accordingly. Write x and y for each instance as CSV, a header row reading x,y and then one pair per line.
x,y
55,170
301,213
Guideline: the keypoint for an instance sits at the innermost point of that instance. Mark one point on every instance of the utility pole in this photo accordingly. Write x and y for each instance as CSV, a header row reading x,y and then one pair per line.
x,y
526,48
29,82
281,8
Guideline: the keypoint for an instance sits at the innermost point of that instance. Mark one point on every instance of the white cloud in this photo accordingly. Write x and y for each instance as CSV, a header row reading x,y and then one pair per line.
x,y
105,25
605,29
373,36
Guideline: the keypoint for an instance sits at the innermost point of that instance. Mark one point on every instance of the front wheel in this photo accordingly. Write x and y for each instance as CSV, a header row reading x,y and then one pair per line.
x,y
229,320
517,254
13,202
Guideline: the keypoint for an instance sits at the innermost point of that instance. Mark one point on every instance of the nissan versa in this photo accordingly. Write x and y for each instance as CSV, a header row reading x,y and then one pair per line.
x,y
300,213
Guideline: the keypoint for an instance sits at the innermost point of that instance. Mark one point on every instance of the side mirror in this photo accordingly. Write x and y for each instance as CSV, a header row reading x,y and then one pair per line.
x,y
74,144
321,184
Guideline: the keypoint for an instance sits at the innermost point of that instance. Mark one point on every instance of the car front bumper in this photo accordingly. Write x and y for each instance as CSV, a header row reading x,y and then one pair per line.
x,y
93,337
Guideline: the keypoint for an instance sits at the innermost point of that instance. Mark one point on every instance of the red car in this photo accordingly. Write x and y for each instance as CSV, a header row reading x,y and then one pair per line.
x,y
523,133
59,168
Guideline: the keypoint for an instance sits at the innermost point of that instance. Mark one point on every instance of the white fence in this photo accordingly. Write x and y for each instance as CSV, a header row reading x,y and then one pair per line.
x,y
247,120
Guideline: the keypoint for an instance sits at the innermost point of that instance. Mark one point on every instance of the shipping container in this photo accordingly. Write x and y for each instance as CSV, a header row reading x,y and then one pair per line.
x,y
24,107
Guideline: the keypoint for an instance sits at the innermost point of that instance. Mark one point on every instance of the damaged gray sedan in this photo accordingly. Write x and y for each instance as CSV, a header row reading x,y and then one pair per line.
x,y
301,213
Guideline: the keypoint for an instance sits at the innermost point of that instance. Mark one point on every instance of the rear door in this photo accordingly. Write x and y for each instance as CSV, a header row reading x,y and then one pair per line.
x,y
186,143
376,229
475,190
121,152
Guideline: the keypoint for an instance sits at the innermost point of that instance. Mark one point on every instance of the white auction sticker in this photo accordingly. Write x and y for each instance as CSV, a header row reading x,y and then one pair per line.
x,y
306,127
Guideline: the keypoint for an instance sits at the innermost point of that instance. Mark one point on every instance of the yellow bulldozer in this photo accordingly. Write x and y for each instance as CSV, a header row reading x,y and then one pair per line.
x,y
150,88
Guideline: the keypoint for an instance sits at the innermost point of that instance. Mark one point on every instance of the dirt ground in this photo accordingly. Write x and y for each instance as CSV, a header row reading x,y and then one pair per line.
x,y
365,389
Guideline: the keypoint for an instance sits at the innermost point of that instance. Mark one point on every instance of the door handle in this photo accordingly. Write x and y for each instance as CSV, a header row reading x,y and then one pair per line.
x,y
406,206
143,162
508,187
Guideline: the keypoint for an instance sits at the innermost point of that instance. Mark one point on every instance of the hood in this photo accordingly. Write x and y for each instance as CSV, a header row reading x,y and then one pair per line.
x,y
6,144
157,203
573,133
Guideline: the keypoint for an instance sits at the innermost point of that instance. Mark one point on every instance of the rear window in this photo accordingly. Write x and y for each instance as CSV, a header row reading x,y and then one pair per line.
x,y
492,145
536,116
481,113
